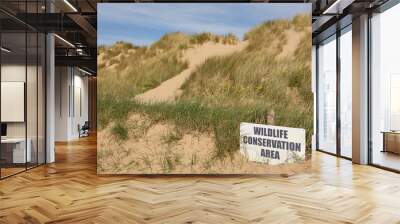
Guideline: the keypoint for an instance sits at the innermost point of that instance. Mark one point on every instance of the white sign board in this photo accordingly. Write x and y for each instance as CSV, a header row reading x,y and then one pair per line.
x,y
272,144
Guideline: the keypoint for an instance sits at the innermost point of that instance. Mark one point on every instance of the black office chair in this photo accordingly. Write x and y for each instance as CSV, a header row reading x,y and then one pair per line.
x,y
84,130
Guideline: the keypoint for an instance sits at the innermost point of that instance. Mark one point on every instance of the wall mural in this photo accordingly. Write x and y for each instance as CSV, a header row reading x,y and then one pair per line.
x,y
204,88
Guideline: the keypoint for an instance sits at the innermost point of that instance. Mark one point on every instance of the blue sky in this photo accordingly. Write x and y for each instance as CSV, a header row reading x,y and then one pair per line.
x,y
143,24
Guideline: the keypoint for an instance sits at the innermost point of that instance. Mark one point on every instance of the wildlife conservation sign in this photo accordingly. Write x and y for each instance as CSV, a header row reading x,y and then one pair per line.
x,y
272,144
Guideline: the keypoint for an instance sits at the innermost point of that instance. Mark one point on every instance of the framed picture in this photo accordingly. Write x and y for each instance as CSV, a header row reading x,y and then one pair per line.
x,y
176,81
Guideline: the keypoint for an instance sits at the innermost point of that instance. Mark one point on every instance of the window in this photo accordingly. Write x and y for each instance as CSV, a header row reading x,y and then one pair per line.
x,y
385,89
346,92
327,95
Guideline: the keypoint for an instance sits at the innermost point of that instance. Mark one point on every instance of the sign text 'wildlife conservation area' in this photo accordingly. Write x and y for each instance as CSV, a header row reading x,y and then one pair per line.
x,y
272,144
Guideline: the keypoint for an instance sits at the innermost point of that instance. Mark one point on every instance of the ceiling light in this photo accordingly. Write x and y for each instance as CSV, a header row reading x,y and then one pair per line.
x,y
333,6
80,51
338,6
65,41
70,5
84,71
5,50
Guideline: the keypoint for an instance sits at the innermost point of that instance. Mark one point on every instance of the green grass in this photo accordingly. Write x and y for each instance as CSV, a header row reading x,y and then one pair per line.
x,y
120,131
222,122
204,37
110,109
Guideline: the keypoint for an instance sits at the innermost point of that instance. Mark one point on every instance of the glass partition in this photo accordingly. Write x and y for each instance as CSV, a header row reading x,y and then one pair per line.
x,y
22,77
41,96
13,94
327,95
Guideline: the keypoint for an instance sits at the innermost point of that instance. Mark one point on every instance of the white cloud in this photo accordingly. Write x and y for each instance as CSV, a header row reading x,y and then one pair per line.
x,y
190,19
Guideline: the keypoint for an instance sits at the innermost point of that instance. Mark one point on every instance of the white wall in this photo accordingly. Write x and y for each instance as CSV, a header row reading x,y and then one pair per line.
x,y
16,73
33,127
62,81
9,73
80,89
70,83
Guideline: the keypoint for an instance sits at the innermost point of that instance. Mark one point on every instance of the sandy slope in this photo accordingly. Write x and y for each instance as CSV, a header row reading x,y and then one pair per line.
x,y
293,39
170,89
147,152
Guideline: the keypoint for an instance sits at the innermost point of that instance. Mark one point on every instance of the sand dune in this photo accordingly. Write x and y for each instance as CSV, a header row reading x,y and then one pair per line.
x,y
293,40
170,89
147,152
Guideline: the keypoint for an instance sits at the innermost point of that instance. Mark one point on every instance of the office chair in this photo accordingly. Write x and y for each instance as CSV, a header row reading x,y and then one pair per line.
x,y
84,130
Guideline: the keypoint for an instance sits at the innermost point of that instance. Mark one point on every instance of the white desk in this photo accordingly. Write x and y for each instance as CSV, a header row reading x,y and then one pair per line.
x,y
19,155
391,141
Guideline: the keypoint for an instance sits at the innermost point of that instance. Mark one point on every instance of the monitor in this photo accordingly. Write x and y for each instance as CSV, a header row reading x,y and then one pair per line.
x,y
3,129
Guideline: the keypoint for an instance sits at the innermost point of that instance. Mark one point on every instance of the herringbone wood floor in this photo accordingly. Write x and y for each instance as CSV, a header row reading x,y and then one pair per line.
x,y
69,191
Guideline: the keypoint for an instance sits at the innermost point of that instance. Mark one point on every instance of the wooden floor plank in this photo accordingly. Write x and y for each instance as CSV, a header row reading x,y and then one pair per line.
x,y
70,191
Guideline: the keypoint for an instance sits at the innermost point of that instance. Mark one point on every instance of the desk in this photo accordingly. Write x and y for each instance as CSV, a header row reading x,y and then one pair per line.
x,y
391,141
13,150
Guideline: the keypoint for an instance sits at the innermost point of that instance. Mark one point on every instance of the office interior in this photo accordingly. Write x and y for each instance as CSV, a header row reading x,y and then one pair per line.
x,y
48,79
357,82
